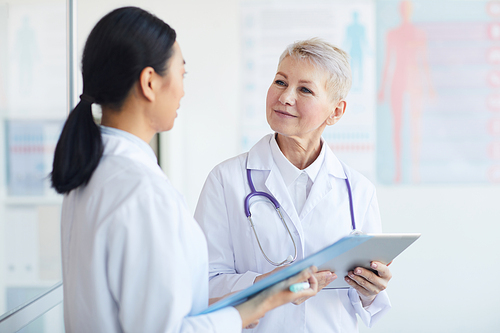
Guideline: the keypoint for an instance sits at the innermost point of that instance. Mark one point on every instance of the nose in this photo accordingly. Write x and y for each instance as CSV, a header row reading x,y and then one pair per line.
x,y
287,97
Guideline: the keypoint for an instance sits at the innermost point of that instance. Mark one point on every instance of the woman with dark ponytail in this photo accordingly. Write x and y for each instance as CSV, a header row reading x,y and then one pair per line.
x,y
134,260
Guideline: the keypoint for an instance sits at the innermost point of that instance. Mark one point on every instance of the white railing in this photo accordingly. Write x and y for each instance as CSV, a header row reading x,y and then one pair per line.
x,y
24,314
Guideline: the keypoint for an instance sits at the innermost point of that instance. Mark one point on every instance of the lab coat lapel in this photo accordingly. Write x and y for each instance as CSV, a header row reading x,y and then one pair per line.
x,y
260,158
321,188
323,184
277,188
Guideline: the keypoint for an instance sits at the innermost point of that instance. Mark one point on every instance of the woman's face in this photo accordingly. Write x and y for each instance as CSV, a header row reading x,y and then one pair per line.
x,y
171,91
298,103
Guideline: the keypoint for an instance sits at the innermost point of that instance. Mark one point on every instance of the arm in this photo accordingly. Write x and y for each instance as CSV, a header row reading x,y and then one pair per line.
x,y
279,294
212,216
324,278
367,295
427,78
151,272
368,284
385,70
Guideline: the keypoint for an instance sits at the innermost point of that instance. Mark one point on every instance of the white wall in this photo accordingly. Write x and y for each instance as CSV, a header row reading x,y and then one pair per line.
x,y
446,282
206,130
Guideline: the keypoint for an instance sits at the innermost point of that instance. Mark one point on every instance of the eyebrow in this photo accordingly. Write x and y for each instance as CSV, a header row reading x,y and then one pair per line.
x,y
300,81
306,81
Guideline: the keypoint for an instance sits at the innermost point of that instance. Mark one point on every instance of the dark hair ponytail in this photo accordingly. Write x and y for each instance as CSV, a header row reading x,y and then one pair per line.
x,y
119,47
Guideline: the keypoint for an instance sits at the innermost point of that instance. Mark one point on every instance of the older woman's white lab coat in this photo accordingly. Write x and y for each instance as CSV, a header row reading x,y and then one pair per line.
x,y
235,257
134,259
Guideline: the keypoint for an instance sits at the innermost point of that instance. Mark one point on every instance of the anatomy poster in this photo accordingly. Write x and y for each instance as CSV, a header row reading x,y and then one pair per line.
x,y
36,73
438,91
268,27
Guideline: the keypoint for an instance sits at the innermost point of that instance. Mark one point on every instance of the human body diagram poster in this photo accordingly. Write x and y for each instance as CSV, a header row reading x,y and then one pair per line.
x,y
424,107
268,27
438,115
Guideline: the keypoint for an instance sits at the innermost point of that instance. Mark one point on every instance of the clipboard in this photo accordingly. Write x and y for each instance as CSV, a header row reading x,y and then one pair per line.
x,y
319,259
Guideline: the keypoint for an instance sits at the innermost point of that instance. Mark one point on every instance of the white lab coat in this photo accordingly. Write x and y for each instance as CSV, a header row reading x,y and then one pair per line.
x,y
134,259
235,257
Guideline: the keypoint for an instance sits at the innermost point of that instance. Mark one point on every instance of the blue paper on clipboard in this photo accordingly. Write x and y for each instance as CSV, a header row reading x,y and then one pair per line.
x,y
316,259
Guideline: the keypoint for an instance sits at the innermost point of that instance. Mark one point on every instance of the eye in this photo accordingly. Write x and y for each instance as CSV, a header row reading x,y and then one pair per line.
x,y
280,83
305,90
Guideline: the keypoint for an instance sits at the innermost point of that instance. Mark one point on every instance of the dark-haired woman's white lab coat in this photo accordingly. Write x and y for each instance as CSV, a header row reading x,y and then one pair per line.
x,y
134,259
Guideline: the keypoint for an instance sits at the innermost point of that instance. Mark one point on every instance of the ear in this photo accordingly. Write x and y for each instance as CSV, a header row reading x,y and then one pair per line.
x,y
146,83
337,113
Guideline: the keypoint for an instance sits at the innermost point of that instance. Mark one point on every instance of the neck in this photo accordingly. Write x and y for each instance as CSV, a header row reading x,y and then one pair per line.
x,y
300,152
128,119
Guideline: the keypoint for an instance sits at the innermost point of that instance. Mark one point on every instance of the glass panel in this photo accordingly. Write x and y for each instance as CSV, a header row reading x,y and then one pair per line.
x,y
33,106
50,322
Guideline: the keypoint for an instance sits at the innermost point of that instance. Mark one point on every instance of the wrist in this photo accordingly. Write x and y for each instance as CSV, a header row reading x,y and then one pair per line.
x,y
366,300
252,310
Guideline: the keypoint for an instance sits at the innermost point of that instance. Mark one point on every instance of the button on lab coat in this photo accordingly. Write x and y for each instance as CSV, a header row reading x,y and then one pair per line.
x,y
234,254
134,259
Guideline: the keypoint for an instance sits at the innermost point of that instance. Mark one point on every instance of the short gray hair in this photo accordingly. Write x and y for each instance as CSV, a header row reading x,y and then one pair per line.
x,y
327,57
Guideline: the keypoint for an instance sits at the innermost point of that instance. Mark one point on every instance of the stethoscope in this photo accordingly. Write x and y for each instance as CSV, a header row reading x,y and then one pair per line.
x,y
254,193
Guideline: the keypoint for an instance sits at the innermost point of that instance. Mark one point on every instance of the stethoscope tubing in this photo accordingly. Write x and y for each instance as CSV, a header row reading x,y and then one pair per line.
x,y
254,193
351,205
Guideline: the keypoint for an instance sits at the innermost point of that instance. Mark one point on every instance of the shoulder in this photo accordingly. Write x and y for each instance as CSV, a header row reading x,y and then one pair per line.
x,y
356,179
258,157
230,168
122,172
232,163
126,185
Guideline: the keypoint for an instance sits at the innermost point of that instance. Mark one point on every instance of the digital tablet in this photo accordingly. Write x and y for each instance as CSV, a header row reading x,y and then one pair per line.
x,y
393,244
380,247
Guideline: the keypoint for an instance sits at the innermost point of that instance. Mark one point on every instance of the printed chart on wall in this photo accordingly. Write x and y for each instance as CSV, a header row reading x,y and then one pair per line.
x,y
33,103
438,68
268,27
37,61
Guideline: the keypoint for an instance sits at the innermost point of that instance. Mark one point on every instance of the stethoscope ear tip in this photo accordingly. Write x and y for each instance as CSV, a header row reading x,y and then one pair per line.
x,y
289,259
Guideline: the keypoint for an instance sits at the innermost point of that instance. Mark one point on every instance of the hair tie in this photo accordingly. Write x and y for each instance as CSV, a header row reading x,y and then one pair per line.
x,y
87,98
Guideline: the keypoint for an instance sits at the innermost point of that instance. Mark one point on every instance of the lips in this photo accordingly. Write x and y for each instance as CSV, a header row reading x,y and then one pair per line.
x,y
284,113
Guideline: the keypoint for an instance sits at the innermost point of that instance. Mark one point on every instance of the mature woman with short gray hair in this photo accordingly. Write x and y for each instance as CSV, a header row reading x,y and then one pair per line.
x,y
321,200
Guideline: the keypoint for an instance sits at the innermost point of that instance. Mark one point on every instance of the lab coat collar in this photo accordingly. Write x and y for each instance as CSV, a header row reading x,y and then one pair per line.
x,y
130,137
117,143
333,164
260,157
322,185
289,171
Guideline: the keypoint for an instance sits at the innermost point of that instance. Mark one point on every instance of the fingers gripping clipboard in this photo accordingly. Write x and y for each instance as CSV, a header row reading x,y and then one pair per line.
x,y
347,253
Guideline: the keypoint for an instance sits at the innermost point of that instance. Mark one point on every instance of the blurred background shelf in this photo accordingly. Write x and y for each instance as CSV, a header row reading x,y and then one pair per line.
x,y
32,200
